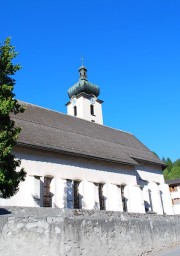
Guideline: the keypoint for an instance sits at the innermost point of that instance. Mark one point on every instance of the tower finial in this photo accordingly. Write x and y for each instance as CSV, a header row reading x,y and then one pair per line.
x,y
82,60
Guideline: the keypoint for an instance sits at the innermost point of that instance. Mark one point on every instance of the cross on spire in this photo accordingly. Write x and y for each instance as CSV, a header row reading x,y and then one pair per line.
x,y
82,61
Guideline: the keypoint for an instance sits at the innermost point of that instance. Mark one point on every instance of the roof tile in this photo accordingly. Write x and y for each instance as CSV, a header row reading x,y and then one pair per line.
x,y
56,131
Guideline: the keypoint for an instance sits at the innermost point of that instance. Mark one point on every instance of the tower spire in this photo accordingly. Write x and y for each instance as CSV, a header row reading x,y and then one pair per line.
x,y
84,102
82,70
82,60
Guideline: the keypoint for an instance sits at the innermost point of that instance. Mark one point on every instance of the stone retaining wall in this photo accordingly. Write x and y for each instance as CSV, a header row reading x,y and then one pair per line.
x,y
57,232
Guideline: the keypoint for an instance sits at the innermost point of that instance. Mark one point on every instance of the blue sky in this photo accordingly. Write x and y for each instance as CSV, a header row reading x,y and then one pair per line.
x,y
131,50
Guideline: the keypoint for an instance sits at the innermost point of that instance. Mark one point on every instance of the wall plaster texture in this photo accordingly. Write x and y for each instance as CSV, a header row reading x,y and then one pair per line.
x,y
89,172
83,110
58,232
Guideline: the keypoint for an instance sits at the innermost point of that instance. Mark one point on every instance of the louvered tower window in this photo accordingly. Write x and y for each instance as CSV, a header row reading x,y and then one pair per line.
x,y
75,111
92,109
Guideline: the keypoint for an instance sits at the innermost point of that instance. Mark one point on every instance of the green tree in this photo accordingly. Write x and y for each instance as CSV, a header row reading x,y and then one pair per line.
x,y
177,163
175,173
169,164
166,174
155,154
10,177
173,169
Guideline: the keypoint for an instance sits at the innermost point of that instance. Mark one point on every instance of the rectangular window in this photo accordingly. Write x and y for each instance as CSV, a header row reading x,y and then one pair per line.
x,y
76,195
69,194
47,198
73,197
101,197
174,189
177,201
124,203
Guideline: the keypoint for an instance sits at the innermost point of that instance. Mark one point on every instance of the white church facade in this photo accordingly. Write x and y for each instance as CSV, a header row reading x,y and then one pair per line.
x,y
74,161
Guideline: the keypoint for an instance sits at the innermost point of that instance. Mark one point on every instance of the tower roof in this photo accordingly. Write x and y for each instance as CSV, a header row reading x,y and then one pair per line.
x,y
83,85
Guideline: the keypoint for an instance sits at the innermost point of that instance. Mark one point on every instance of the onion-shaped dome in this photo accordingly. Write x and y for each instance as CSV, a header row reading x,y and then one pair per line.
x,y
83,85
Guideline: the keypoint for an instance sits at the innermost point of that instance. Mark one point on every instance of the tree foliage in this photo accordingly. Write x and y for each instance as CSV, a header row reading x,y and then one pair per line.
x,y
9,176
173,169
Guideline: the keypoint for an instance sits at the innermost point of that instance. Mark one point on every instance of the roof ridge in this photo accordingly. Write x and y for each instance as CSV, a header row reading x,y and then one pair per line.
x,y
31,104
61,113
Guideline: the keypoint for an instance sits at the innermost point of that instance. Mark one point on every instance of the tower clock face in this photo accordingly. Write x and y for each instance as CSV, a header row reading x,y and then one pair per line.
x,y
92,100
74,101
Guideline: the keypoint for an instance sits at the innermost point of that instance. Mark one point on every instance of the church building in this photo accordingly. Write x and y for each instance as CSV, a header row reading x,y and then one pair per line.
x,y
74,161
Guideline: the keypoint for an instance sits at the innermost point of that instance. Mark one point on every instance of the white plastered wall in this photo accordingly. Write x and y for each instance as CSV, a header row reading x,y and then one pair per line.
x,y
155,189
83,110
60,193
156,198
62,167
38,163
150,173
113,197
147,198
134,198
166,197
26,195
88,171
89,195
80,108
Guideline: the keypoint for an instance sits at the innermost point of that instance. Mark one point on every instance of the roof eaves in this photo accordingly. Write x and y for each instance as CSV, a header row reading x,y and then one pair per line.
x,y
173,182
45,148
150,161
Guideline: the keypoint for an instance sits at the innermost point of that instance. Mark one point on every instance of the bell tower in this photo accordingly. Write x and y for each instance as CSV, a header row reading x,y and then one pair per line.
x,y
84,102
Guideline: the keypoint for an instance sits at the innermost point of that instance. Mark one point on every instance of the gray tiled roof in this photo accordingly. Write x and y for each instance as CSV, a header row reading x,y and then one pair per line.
x,y
50,130
173,182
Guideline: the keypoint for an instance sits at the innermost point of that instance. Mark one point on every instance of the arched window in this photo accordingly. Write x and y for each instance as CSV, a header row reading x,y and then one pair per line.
x,y
75,111
92,109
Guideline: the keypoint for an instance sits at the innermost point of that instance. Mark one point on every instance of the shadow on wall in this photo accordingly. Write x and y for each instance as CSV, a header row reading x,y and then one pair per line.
x,y
147,206
37,199
79,162
69,199
4,211
139,180
96,206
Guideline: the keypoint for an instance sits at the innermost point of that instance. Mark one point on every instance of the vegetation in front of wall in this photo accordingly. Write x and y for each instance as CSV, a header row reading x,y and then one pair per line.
x,y
9,176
